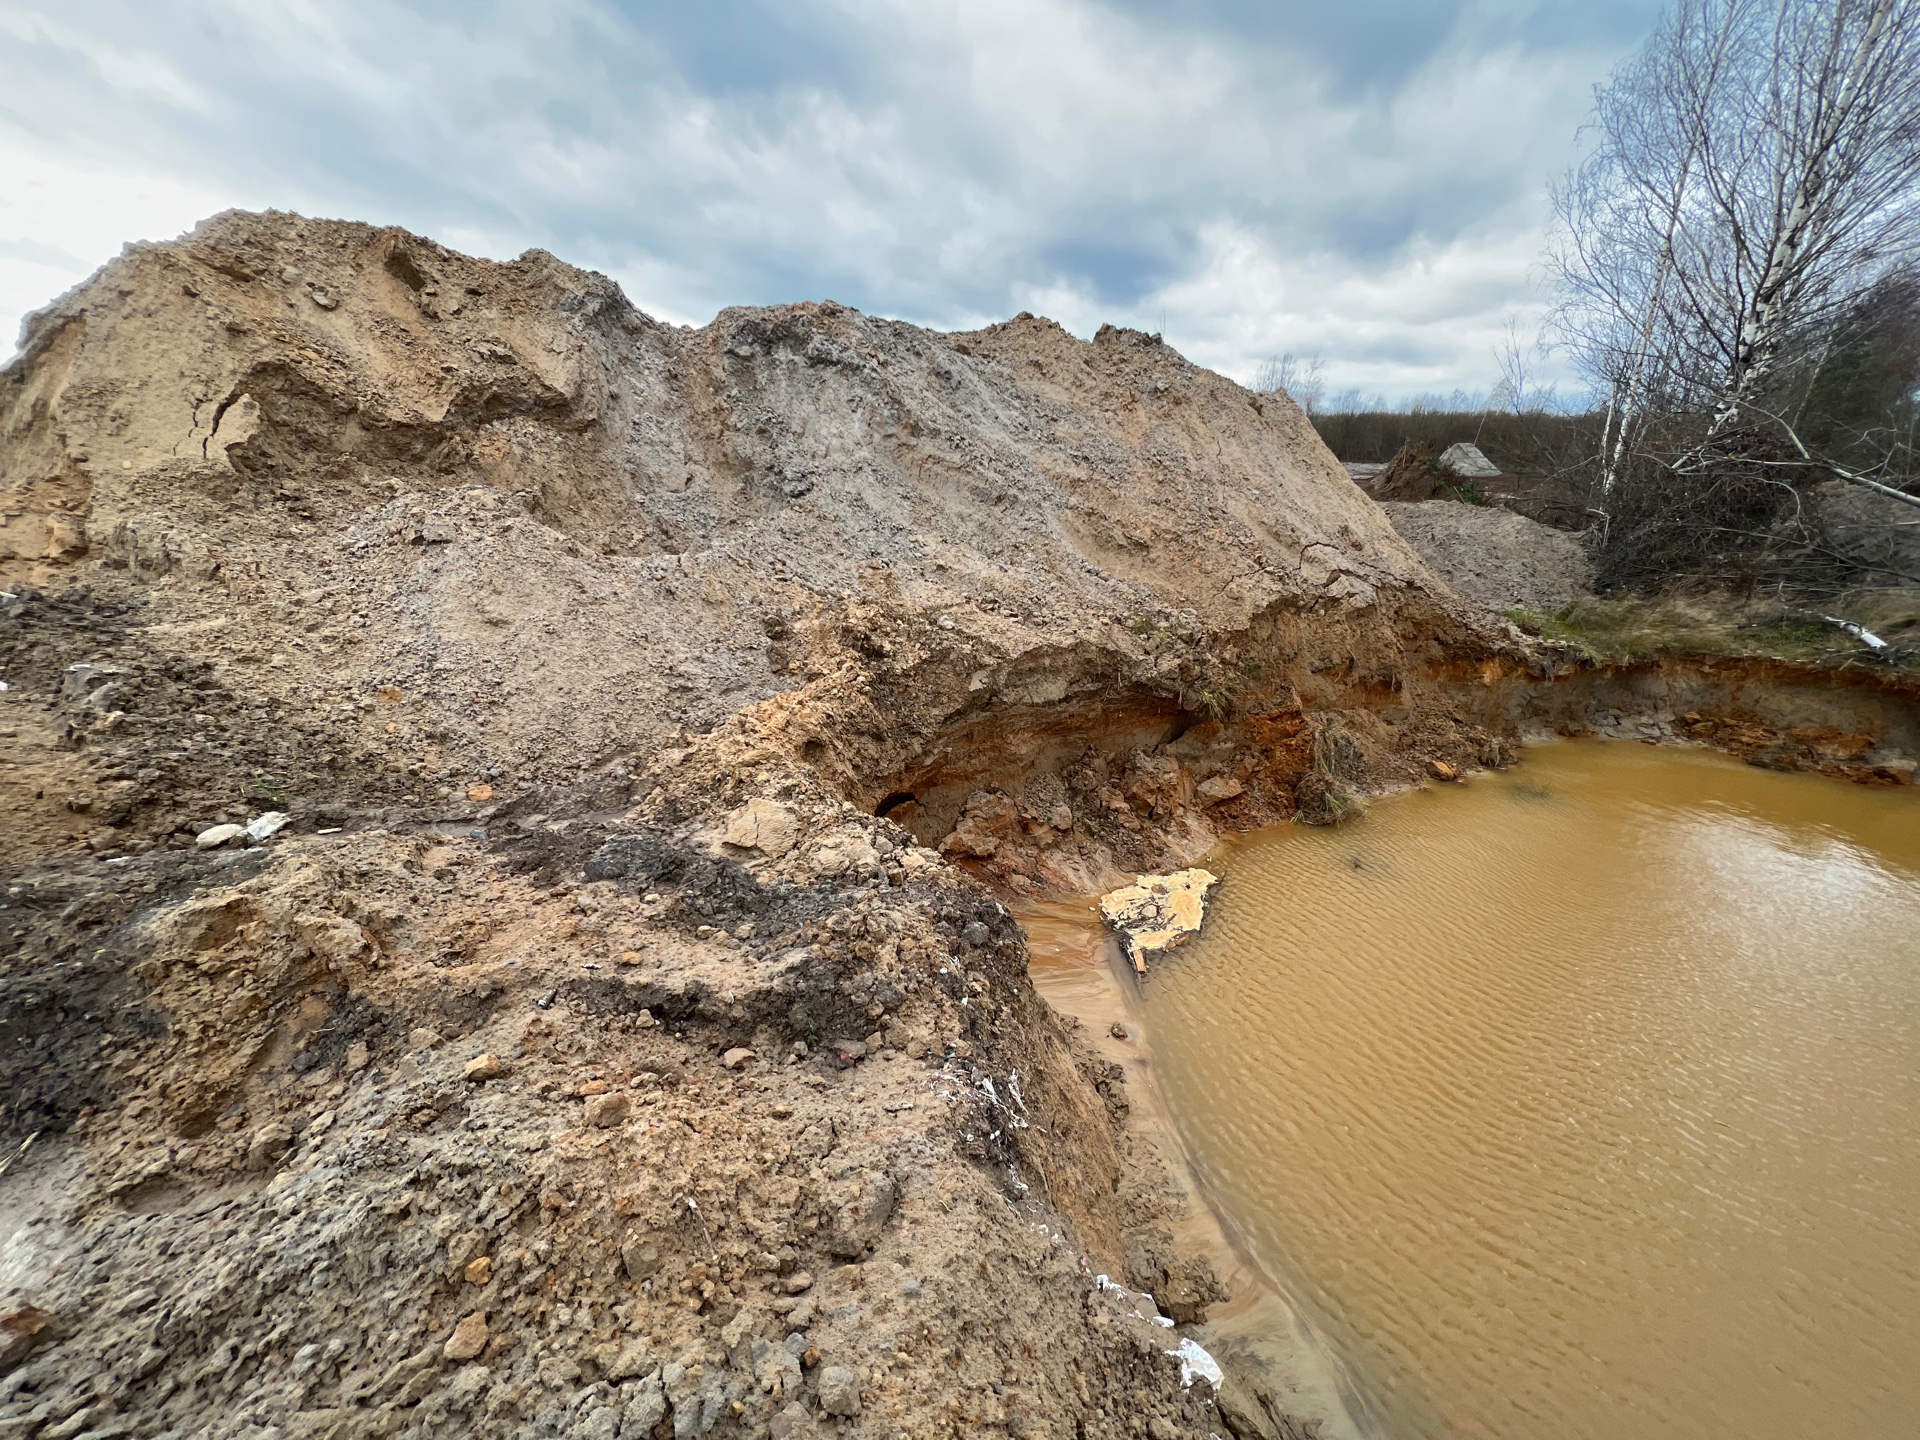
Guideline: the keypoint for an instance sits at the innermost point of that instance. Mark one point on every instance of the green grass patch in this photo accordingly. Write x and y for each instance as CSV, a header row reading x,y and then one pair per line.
x,y
1625,629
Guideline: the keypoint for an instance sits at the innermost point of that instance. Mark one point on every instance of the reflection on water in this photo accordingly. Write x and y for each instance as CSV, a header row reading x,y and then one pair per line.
x,y
1581,1100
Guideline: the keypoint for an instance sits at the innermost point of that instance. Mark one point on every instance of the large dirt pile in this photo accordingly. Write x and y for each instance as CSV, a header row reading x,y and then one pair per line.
x,y
623,1036
1496,556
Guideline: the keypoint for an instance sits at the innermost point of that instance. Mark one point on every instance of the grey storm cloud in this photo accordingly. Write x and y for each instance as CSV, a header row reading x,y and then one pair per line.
x,y
1362,180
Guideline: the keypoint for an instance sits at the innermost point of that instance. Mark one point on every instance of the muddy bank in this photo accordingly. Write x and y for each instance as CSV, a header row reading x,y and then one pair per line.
x,y
1858,723
1280,1370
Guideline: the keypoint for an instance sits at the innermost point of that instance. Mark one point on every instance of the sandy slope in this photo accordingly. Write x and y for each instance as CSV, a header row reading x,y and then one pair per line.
x,y
593,646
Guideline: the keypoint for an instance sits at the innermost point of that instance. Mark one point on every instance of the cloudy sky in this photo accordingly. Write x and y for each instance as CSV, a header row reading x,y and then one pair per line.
x,y
1358,179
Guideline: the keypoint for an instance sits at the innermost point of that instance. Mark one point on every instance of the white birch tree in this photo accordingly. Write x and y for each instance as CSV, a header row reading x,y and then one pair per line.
x,y
1755,173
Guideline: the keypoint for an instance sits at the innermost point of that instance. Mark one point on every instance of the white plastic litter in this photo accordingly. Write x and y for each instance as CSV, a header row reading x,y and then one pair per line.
x,y
267,826
1195,1361
1859,632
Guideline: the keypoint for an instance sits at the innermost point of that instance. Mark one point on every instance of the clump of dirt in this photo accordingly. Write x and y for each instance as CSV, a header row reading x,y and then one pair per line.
x,y
1412,475
625,1033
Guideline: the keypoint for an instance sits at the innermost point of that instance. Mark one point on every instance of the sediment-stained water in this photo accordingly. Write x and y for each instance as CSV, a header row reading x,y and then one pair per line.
x,y
1581,1100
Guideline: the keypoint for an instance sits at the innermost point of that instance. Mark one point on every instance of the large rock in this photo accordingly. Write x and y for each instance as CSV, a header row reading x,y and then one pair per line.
x,y
1158,912
762,825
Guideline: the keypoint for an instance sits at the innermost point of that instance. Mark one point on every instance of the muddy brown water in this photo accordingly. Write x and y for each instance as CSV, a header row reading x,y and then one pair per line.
x,y
1581,1100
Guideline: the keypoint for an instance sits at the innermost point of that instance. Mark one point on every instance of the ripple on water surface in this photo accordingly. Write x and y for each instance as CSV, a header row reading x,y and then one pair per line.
x,y
1581,1100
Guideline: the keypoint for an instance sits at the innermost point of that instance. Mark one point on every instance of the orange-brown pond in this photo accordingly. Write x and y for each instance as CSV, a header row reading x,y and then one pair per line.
x,y
1579,1101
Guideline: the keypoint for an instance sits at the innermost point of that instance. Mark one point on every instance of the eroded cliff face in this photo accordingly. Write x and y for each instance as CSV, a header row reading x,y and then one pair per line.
x,y
624,1033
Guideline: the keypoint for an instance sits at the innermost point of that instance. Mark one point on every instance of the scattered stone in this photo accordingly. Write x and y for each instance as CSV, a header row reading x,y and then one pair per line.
x,y
264,827
640,1259
479,791
23,1331
738,1058
798,1283
1158,912
1117,1030
218,835
839,1391
1441,770
485,1067
793,1423
469,1338
849,1052
645,1410
630,1362
423,1039
863,1214
358,1057
764,826
1218,789
844,857
479,1270
609,1112
268,1144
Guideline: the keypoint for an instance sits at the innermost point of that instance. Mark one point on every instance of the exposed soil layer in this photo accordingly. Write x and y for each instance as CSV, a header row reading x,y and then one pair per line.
x,y
626,1034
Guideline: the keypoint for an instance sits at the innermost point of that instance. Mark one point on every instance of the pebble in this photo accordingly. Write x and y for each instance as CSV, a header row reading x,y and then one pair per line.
x,y
640,1259
738,1058
469,1337
22,1331
609,1111
839,1391
219,835
268,1144
485,1067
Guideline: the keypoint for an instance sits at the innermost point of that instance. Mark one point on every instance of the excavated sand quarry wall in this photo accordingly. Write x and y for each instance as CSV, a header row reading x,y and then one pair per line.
x,y
586,1053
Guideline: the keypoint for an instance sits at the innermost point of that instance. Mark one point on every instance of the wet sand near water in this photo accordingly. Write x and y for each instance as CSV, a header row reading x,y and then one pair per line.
x,y
1078,967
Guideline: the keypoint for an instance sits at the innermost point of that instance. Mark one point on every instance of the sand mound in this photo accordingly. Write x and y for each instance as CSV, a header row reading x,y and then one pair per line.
x,y
587,1053
1499,558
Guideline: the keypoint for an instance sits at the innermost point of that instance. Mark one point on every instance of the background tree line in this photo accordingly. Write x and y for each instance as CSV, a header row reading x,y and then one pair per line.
x,y
1737,273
